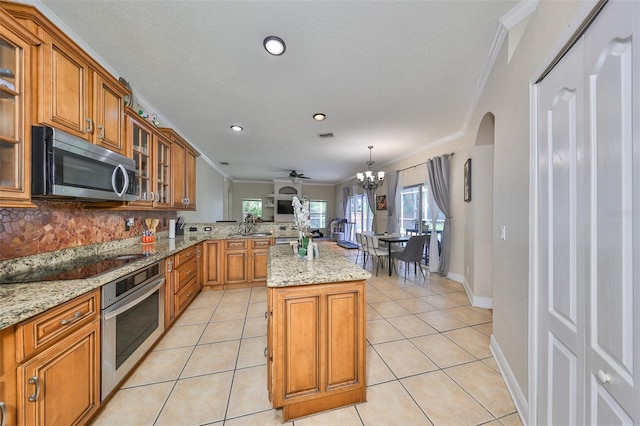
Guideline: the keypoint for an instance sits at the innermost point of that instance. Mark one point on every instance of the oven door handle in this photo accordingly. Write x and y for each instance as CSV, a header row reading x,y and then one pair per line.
x,y
137,300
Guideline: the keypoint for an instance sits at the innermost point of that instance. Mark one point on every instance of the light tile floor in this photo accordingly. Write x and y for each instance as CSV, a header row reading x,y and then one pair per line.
x,y
428,362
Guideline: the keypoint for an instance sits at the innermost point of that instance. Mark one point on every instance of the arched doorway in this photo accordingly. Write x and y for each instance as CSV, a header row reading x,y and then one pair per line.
x,y
479,246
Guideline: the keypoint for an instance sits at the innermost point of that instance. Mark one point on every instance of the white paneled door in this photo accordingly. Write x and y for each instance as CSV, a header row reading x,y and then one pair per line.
x,y
587,232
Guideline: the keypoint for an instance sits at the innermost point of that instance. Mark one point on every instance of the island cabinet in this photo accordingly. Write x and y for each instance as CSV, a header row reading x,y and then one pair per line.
x,y
183,156
75,93
15,115
316,334
58,364
8,410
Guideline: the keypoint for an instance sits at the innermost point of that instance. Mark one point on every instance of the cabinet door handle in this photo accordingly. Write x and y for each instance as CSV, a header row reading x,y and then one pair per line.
x,y
74,318
35,381
101,135
170,268
3,410
89,128
603,377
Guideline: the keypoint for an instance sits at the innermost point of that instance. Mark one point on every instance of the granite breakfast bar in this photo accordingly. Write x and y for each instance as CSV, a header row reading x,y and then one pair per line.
x,y
316,337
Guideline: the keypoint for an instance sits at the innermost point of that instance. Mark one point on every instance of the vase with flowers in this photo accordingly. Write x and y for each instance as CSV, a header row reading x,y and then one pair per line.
x,y
303,220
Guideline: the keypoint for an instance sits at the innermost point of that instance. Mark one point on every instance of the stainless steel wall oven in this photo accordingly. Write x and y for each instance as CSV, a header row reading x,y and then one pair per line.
x,y
132,321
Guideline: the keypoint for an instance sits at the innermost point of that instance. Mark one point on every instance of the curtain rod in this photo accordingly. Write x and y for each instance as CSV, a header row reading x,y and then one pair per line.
x,y
420,164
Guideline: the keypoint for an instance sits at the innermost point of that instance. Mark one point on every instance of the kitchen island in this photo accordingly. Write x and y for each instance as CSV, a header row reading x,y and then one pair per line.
x,y
316,336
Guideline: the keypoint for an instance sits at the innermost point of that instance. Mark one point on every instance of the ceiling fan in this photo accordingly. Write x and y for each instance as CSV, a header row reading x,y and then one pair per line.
x,y
294,176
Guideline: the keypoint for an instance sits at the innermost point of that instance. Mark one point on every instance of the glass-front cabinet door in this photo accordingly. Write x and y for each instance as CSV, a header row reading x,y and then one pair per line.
x,y
15,171
142,143
163,169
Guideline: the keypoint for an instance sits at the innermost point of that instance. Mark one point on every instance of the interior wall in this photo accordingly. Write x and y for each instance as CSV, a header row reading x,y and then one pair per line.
x,y
249,190
210,195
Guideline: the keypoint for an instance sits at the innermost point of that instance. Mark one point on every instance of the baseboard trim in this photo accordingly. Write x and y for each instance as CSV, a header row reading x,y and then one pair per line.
x,y
477,301
455,277
522,406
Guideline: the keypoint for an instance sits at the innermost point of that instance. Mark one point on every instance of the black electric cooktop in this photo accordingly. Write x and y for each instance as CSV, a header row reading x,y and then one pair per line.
x,y
82,268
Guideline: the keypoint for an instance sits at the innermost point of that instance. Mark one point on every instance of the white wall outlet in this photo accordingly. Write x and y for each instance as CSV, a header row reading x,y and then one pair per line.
x,y
503,232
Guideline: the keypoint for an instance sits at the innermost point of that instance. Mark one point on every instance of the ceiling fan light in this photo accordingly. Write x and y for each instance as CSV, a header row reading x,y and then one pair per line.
x,y
274,45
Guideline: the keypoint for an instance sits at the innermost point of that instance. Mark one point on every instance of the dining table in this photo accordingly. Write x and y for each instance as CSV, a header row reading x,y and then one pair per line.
x,y
393,240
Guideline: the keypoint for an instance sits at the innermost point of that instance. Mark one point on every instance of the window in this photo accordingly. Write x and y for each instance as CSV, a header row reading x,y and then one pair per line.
x,y
415,210
359,216
252,207
318,214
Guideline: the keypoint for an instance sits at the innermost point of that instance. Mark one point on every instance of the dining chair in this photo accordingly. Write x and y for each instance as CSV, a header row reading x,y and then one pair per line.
x,y
361,248
412,252
377,254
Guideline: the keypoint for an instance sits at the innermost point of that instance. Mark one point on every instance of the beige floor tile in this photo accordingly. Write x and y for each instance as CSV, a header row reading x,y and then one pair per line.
x,y
159,366
511,420
459,297
346,416
442,351
377,370
191,403
443,285
418,291
411,326
474,342
194,316
252,352
491,363
258,295
254,327
380,331
404,359
396,293
416,305
440,302
372,313
389,404
248,393
389,309
486,329
222,331
468,315
444,402
176,337
440,321
485,385
375,295
264,418
485,311
212,358
256,310
230,311
241,295
207,299
134,406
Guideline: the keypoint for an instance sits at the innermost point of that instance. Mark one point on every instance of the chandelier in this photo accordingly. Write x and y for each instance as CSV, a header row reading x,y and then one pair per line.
x,y
368,180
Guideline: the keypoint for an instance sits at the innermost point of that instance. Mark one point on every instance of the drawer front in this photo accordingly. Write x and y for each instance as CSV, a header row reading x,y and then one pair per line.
x,y
236,244
184,296
56,323
185,255
185,273
261,243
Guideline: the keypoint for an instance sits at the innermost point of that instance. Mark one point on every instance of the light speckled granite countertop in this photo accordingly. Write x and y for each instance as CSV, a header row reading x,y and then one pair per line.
x,y
19,302
284,268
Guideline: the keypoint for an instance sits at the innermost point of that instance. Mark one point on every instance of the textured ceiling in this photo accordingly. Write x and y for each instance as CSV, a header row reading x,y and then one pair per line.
x,y
398,75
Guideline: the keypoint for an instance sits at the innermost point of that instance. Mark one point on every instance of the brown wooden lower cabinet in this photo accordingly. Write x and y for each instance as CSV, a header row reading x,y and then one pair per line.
x,y
181,282
238,263
316,347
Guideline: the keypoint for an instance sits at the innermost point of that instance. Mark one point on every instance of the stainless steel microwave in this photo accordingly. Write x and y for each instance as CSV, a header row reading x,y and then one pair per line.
x,y
67,167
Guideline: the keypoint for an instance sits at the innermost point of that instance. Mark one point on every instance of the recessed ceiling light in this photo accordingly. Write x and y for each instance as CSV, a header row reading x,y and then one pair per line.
x,y
274,45
236,128
319,116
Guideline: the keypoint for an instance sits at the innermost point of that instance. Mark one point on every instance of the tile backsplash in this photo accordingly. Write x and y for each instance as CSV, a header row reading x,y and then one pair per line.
x,y
59,225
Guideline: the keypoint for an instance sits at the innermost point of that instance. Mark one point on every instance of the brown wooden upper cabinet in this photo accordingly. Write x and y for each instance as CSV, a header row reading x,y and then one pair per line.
x,y
152,154
75,93
183,158
15,128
